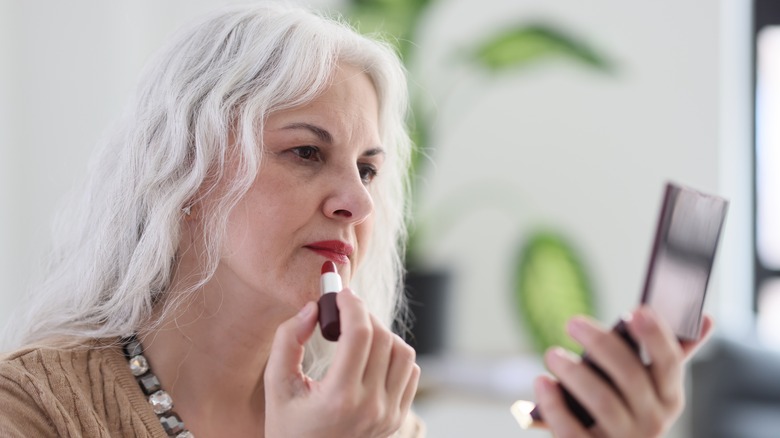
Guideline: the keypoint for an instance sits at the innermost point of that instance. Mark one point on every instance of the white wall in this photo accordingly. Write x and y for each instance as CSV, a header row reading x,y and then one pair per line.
x,y
583,152
7,216
733,303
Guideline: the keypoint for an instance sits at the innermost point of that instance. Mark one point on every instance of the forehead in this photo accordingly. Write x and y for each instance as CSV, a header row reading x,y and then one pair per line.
x,y
347,106
350,85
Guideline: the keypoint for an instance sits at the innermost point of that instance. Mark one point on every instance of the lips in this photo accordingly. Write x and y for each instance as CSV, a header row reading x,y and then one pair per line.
x,y
335,250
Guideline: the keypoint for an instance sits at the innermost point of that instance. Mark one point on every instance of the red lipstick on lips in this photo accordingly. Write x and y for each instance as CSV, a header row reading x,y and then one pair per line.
x,y
333,250
330,284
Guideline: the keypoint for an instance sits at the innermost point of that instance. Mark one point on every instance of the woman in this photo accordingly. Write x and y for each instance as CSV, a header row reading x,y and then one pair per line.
x,y
261,142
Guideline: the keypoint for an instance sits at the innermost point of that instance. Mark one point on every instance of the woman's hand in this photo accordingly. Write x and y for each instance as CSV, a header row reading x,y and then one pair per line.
x,y
644,402
366,392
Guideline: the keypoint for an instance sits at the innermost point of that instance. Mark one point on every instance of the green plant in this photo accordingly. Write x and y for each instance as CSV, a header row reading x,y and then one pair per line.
x,y
551,285
548,274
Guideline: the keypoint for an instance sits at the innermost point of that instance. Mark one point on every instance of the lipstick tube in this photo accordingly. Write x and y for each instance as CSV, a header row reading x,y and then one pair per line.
x,y
330,284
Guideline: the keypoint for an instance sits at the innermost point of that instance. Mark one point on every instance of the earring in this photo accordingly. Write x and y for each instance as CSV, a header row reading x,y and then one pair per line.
x,y
187,210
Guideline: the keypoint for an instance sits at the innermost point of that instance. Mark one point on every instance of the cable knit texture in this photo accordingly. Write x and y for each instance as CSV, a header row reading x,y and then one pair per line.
x,y
84,391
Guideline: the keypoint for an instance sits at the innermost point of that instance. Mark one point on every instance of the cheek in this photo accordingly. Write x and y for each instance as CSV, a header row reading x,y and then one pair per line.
x,y
253,224
363,234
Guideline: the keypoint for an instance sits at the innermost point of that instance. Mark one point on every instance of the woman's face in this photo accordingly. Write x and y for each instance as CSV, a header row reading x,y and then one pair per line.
x,y
311,201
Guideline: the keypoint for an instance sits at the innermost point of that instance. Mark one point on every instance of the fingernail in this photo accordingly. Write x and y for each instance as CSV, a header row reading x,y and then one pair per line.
x,y
577,328
560,355
542,385
306,310
641,319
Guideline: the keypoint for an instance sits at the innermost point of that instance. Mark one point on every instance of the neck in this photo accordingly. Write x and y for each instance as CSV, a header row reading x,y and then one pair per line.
x,y
212,364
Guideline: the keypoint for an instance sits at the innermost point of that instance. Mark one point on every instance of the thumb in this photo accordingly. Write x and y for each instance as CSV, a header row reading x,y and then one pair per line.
x,y
284,361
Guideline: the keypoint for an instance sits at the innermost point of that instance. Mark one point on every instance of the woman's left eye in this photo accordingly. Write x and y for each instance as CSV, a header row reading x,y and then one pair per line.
x,y
367,173
310,153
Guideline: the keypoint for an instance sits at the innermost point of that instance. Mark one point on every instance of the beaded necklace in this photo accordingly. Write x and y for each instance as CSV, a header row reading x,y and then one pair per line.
x,y
161,401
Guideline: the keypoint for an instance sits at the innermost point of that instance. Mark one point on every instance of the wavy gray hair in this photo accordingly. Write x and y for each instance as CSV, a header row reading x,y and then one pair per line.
x,y
116,248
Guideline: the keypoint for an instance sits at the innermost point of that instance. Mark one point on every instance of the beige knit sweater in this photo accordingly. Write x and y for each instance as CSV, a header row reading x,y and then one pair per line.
x,y
85,391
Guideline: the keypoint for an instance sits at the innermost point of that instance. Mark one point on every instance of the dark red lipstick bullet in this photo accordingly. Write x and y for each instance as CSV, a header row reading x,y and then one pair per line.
x,y
330,284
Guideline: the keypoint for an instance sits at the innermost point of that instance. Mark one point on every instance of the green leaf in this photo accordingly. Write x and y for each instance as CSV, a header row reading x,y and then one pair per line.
x,y
525,44
396,18
550,287
385,5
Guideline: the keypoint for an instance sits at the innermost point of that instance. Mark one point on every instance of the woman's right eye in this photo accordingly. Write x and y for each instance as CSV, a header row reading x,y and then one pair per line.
x,y
309,153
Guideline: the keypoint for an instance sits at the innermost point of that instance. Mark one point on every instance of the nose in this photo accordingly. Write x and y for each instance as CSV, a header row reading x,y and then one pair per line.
x,y
349,200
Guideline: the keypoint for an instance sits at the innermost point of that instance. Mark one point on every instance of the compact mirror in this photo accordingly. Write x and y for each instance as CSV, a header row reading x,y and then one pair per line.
x,y
688,232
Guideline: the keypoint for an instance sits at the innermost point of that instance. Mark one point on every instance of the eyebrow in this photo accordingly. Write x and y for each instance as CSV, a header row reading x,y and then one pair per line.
x,y
374,152
324,136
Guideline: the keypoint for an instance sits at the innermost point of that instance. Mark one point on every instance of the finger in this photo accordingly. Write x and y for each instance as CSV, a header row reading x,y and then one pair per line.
x,y
597,396
665,353
401,368
410,389
354,344
557,416
287,349
400,400
611,353
378,362
691,347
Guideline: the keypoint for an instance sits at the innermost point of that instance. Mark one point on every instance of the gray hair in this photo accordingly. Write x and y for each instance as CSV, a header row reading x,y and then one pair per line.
x,y
116,250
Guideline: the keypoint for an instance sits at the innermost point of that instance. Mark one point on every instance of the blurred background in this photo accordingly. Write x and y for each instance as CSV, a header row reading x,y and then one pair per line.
x,y
555,119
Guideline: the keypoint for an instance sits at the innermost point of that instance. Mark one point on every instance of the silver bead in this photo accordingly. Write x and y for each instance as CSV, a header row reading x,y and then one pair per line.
x,y
185,434
172,424
138,365
132,347
161,402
